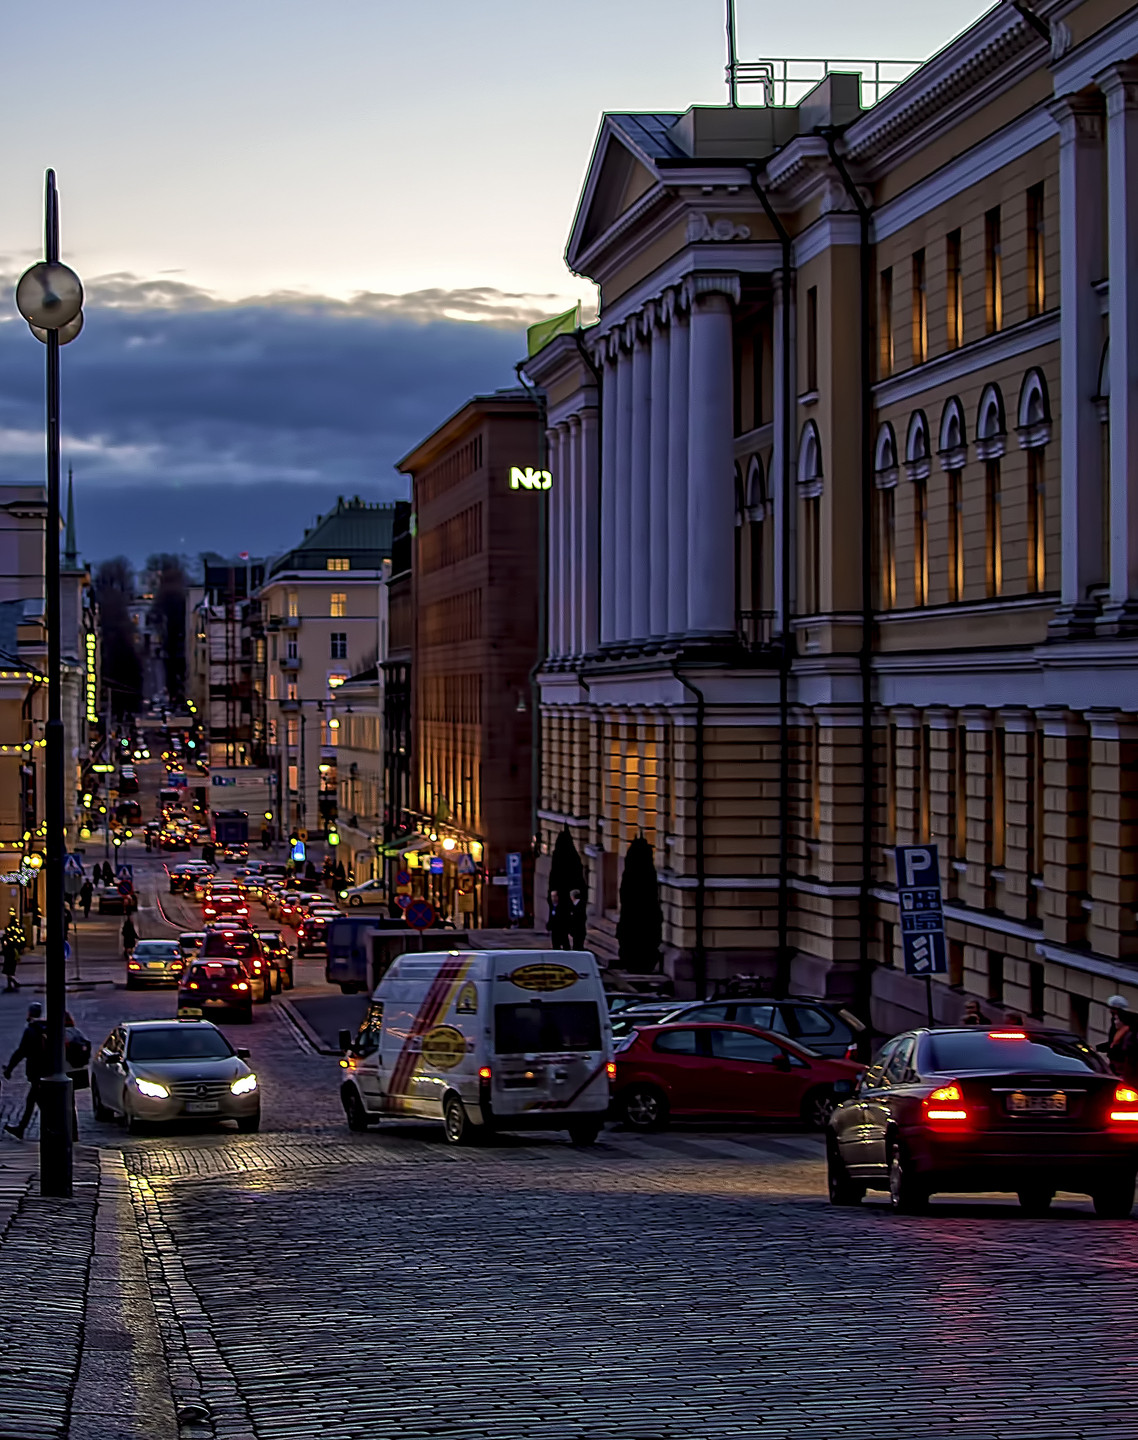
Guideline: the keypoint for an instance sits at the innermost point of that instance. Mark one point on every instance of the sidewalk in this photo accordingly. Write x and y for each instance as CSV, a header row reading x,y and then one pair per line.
x,y
82,1358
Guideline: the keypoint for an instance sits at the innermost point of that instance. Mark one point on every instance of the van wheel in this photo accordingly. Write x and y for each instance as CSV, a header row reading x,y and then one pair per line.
x,y
645,1108
585,1132
456,1123
354,1110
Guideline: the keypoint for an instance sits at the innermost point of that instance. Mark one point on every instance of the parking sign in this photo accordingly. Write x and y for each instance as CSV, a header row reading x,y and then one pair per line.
x,y
919,906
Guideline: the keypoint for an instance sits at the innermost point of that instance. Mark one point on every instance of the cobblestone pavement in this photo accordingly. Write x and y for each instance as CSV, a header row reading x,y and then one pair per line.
x,y
310,1282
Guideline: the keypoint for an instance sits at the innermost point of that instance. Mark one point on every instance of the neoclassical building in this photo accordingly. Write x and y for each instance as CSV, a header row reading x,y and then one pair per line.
x,y
842,549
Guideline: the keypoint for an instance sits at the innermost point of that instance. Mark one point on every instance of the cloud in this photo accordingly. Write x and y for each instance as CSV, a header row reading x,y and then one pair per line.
x,y
174,400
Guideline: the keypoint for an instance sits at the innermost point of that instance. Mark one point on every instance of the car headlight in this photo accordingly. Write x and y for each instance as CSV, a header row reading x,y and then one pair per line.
x,y
151,1089
244,1085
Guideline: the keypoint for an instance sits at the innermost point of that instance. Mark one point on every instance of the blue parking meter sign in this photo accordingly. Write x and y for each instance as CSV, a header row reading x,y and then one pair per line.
x,y
515,892
920,909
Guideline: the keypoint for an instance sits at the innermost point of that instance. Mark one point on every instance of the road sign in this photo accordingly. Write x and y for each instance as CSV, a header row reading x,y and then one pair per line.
x,y
465,884
67,949
72,865
437,865
124,887
125,872
919,905
466,865
403,877
515,899
420,914
298,852
402,901
72,884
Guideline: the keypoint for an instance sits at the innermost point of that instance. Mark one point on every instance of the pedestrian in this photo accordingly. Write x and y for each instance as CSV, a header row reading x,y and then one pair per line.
x,y
108,876
578,920
86,891
32,1050
558,922
341,875
266,837
973,1015
129,937
11,952
1121,1044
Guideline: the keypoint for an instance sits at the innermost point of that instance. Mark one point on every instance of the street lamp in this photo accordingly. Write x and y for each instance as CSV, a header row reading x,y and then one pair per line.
x,y
50,298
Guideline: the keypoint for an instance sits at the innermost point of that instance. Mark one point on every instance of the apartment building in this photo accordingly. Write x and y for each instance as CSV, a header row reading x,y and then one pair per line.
x,y
855,423
474,589
357,731
395,680
319,606
226,660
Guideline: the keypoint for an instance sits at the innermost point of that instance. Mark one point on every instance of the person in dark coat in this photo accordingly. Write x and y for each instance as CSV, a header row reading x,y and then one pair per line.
x,y
1121,1045
558,921
32,1050
86,892
578,920
11,951
129,936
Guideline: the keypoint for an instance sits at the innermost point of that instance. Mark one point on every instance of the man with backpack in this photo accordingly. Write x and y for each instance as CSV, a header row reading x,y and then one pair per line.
x,y
32,1050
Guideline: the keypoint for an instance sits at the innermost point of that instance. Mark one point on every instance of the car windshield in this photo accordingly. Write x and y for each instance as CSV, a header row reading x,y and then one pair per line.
x,y
178,1042
156,947
983,1051
218,970
556,1025
226,943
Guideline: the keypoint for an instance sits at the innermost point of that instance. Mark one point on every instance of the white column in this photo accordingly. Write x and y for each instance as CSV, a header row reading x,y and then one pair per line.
x,y
641,476
659,576
678,399
782,442
622,577
564,503
711,461
606,496
553,546
1120,87
588,490
1080,229
572,590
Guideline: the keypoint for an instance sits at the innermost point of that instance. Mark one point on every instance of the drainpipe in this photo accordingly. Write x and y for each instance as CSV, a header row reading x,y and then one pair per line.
x,y
542,619
786,654
864,986
700,966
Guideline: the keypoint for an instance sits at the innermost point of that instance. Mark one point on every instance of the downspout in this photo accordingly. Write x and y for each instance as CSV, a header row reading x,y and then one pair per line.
x,y
542,620
700,965
786,653
863,986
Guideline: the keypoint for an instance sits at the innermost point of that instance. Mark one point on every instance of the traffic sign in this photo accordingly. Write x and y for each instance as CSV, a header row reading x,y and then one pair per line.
x,y
420,914
466,865
437,865
72,865
67,949
921,911
465,884
124,887
298,852
402,901
403,877
125,872
516,900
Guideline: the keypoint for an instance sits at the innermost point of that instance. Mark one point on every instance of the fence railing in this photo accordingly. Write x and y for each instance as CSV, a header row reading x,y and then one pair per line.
x,y
755,628
785,82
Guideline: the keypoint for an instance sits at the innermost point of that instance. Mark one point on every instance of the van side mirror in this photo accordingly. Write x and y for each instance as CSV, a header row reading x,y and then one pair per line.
x,y
243,1054
344,1040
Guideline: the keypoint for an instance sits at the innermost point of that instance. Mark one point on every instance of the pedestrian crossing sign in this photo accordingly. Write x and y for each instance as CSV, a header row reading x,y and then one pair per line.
x,y
72,865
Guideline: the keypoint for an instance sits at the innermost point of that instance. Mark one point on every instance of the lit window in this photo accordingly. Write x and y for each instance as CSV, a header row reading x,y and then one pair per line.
x,y
995,530
920,310
293,605
339,562
339,606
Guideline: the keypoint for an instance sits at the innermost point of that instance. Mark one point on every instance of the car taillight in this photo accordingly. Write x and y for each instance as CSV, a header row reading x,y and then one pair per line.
x,y
944,1106
484,1073
610,1070
851,1051
1007,1034
240,985
133,965
1126,1105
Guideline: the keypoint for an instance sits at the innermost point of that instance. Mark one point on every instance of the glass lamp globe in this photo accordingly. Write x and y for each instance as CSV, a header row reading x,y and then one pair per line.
x,y
66,332
49,295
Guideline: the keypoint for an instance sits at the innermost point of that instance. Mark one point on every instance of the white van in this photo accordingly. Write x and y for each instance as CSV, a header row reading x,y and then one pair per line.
x,y
484,1040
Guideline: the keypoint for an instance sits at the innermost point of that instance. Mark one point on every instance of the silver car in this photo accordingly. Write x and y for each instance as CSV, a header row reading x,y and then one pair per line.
x,y
150,1071
154,962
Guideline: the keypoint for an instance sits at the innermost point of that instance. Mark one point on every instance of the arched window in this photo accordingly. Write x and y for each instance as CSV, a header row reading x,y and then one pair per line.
x,y
917,448
1033,414
885,457
1033,430
810,489
752,542
953,446
991,426
810,460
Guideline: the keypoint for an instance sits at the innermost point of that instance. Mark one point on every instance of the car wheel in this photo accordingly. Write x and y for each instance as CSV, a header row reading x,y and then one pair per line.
x,y
288,981
131,984
906,1192
102,1112
842,1190
645,1108
817,1107
249,1124
1035,1199
456,1123
355,901
585,1132
354,1109
134,1126
1114,1199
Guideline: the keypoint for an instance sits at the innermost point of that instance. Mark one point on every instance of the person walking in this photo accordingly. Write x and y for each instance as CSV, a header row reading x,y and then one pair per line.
x,y
1121,1045
86,892
558,922
32,1050
129,938
578,920
10,947
973,1015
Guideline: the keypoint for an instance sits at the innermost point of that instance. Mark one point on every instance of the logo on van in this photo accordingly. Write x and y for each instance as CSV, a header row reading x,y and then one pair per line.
x,y
467,1002
544,977
443,1047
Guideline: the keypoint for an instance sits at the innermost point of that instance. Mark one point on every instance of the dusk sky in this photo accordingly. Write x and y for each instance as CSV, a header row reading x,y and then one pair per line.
x,y
234,176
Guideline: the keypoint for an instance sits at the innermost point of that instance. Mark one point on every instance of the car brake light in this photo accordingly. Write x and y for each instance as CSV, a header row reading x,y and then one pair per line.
x,y
1007,1035
1124,1095
484,1073
134,965
610,1070
943,1105
240,985
851,1052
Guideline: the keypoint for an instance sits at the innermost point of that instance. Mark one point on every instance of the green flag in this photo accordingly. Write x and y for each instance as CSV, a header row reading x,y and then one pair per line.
x,y
538,336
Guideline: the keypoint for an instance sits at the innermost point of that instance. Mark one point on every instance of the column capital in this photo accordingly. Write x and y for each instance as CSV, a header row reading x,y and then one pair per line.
x,y
1119,84
1079,118
704,287
573,423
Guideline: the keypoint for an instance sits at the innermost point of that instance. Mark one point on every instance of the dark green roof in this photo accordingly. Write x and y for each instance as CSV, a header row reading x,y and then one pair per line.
x,y
359,532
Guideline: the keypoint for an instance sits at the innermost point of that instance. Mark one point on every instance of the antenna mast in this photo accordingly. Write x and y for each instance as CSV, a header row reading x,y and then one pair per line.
x,y
732,57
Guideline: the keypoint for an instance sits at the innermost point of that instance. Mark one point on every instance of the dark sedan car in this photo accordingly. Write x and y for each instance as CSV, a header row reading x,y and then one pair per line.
x,y
216,985
976,1110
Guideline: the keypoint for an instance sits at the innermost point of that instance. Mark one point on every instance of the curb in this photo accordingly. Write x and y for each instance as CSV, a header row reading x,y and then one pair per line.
x,y
306,1036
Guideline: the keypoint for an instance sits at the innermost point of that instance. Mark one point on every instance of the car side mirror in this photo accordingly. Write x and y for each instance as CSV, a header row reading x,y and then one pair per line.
x,y
243,1054
345,1041
782,1061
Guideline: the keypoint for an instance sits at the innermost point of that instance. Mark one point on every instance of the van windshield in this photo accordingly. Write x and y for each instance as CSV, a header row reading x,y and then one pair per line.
x,y
547,1025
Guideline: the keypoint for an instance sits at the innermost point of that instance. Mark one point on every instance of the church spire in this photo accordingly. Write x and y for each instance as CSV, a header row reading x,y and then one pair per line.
x,y
70,547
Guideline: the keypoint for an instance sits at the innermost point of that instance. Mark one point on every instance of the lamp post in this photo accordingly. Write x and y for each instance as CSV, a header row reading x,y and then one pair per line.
x,y
50,298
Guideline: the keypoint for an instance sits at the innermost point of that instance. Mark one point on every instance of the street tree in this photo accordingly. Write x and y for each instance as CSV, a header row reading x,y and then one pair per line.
x,y
122,669
168,585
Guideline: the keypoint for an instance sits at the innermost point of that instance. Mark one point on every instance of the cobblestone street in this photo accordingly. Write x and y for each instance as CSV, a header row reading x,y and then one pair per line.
x,y
307,1281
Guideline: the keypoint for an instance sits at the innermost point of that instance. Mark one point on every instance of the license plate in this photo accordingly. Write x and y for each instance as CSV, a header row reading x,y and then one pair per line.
x,y
1021,1104
200,1107
156,964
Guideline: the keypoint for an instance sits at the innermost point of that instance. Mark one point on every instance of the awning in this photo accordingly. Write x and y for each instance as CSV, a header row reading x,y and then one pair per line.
x,y
410,846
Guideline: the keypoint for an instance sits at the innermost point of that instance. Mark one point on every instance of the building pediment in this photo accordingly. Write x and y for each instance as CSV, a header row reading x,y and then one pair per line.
x,y
621,174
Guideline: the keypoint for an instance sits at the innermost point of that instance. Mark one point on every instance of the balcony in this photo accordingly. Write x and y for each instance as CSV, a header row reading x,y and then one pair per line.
x,y
290,622
291,663
755,629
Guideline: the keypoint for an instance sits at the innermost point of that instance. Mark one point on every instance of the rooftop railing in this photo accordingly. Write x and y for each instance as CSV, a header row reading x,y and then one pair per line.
x,y
785,82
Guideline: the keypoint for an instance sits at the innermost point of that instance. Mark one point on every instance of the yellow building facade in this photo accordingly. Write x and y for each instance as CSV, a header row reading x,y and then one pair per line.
x,y
843,544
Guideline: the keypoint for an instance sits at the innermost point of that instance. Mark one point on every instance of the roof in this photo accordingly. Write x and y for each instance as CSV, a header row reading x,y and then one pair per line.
x,y
648,133
13,614
512,398
365,677
354,530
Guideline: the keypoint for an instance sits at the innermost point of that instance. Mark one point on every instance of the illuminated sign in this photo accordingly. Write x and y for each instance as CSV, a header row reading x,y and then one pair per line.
x,y
92,689
529,479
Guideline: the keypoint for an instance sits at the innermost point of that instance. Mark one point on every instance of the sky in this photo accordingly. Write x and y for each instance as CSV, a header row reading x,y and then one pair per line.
x,y
309,232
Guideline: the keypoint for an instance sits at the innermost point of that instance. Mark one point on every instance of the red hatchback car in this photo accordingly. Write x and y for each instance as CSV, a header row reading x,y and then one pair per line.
x,y
730,1071
224,903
